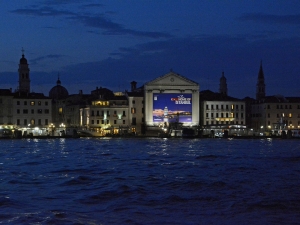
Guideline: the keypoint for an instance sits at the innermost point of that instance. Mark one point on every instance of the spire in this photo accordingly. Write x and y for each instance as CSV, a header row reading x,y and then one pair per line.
x,y
261,72
58,82
223,85
260,86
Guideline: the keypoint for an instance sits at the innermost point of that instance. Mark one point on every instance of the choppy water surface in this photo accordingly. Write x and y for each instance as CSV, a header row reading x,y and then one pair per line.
x,y
149,181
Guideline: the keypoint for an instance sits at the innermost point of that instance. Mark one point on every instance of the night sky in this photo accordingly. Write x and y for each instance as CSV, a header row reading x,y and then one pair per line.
x,y
111,43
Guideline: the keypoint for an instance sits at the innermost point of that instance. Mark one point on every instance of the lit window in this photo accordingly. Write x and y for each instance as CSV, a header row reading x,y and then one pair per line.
x,y
32,103
290,115
60,110
232,106
133,110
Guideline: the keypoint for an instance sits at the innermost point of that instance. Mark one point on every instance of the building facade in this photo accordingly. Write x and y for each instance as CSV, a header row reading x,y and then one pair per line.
x,y
106,117
32,113
171,99
6,108
275,114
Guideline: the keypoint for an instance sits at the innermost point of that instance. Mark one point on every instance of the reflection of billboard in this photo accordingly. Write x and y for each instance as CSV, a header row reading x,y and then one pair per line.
x,y
172,108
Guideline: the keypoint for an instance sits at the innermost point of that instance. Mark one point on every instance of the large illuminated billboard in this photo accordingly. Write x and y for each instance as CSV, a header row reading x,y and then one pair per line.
x,y
172,107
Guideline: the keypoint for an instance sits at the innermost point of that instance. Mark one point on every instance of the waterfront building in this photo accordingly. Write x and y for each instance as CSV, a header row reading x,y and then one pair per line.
x,y
136,109
32,113
72,109
6,109
273,114
220,112
58,94
106,115
176,92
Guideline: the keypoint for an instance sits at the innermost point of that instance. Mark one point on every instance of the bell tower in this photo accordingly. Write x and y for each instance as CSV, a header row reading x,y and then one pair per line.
x,y
223,85
24,80
260,86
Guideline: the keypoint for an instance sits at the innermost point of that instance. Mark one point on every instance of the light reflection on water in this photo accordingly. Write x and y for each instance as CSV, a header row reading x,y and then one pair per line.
x,y
149,181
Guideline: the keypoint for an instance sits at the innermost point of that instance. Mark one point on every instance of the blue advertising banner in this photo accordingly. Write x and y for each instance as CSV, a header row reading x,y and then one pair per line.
x,y
172,107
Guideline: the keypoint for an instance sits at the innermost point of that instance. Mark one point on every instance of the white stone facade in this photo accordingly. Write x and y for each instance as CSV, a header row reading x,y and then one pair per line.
x,y
173,85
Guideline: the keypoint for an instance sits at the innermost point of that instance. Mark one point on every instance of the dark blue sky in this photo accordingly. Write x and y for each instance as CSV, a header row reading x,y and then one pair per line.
x,y
111,43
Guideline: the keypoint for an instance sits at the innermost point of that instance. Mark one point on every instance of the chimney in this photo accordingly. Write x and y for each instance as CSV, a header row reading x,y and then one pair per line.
x,y
80,92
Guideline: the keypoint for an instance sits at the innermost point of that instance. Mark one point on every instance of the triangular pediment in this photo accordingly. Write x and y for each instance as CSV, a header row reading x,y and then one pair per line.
x,y
171,79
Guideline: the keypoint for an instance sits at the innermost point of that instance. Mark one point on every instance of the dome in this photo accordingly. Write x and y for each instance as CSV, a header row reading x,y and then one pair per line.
x,y
58,91
23,60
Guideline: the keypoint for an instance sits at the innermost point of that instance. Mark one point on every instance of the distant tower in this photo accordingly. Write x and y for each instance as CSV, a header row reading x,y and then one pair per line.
x,y
133,86
24,81
223,85
260,86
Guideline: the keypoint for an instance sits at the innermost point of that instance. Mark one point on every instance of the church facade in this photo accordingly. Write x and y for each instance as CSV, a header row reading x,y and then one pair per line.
x,y
170,99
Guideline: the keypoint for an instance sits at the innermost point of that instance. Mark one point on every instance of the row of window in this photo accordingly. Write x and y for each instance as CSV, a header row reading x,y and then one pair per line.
x,y
97,113
224,122
279,115
31,103
226,107
104,122
38,111
286,106
32,122
286,122
232,115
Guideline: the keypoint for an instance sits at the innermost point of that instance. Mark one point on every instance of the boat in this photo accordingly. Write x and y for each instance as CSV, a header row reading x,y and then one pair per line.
x,y
6,133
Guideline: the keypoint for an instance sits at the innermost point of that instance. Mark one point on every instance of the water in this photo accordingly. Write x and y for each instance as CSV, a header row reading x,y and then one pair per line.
x,y
149,181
